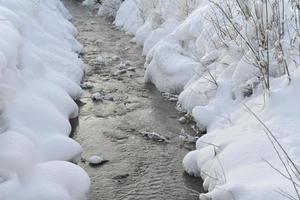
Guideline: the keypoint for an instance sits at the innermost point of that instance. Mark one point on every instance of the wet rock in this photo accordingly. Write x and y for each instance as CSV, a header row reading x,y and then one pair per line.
x,y
132,69
99,60
200,130
189,118
170,97
166,95
86,86
122,66
98,97
96,160
173,99
154,136
120,176
187,138
115,58
182,120
120,72
108,98
127,63
101,97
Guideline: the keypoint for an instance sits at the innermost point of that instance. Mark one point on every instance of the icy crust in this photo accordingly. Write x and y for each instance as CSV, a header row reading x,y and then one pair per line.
x,y
217,83
39,77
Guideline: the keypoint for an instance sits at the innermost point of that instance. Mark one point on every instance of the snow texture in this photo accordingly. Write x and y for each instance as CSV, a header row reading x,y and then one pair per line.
x,y
39,77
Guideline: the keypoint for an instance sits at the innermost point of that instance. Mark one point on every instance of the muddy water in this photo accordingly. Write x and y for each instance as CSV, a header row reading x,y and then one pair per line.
x,y
137,168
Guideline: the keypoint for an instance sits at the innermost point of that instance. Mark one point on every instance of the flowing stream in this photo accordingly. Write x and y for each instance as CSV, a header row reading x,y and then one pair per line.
x,y
138,168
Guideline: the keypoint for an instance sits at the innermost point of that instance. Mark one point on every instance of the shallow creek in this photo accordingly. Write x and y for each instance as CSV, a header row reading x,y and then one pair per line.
x,y
138,168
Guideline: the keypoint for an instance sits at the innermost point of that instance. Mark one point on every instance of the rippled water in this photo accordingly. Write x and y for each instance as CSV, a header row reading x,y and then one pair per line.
x,y
137,168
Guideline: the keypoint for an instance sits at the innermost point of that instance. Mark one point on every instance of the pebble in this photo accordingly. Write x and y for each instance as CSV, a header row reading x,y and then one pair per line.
x,y
122,66
108,98
115,58
96,160
86,86
97,97
123,71
154,136
173,99
127,63
131,69
185,137
121,176
182,120
99,60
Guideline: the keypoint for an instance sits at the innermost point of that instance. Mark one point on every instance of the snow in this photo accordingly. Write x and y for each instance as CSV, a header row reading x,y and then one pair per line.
x,y
220,87
40,75
109,8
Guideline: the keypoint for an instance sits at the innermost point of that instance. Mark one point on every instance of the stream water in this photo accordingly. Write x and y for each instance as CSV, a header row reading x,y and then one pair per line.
x,y
138,168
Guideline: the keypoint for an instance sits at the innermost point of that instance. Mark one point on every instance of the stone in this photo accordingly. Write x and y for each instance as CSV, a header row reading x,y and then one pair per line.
x,y
108,98
115,58
121,176
96,160
131,69
182,120
99,60
86,86
154,136
173,99
127,63
97,97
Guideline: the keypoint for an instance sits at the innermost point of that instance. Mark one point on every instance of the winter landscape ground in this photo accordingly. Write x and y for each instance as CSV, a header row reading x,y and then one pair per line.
x,y
149,99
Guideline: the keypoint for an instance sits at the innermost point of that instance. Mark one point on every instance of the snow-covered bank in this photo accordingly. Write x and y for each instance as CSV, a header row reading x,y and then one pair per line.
x,y
106,8
39,75
221,57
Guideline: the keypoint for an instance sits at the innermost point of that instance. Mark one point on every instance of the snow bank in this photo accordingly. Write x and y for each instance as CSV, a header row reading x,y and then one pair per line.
x,y
109,8
192,49
39,75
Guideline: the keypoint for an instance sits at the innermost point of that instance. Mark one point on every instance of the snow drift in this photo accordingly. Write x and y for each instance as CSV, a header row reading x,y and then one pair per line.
x,y
234,64
39,77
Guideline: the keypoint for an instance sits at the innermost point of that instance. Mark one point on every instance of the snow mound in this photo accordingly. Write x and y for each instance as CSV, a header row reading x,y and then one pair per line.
x,y
40,73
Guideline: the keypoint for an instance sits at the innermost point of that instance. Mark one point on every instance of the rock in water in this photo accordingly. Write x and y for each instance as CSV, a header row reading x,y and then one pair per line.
x,y
99,60
127,63
131,69
86,86
116,58
96,160
187,138
97,97
182,120
154,136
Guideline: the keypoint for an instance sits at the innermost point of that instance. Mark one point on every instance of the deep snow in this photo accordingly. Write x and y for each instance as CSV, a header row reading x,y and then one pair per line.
x,y
39,75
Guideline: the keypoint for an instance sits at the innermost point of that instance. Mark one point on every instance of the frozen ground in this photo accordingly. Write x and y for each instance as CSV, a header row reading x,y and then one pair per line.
x,y
138,168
